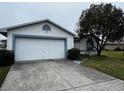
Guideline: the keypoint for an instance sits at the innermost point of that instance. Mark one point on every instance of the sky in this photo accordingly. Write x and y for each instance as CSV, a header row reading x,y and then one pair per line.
x,y
64,14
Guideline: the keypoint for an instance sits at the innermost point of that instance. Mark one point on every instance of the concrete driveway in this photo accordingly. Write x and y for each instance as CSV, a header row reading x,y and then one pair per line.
x,y
58,75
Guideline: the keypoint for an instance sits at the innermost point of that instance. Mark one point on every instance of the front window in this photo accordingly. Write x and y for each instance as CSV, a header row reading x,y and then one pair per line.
x,y
90,44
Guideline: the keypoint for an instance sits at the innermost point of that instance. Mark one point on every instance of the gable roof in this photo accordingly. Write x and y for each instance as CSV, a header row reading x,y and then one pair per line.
x,y
35,22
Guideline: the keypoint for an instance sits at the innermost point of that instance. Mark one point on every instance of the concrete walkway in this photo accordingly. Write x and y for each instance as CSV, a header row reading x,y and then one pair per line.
x,y
58,75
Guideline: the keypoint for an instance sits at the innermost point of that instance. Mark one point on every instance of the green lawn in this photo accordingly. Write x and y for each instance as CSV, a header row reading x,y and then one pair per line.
x,y
111,62
3,72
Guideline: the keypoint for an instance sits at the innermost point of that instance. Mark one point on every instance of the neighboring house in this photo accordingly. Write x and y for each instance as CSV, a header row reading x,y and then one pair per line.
x,y
85,45
114,45
37,40
3,44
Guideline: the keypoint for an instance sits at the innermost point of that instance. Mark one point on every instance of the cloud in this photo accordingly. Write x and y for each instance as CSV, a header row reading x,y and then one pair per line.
x,y
65,14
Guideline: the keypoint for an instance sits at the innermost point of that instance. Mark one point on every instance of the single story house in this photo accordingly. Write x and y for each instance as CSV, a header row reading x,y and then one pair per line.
x,y
114,45
38,40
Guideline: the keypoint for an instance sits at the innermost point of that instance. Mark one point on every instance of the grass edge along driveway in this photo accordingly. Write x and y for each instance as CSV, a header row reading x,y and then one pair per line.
x,y
110,62
3,72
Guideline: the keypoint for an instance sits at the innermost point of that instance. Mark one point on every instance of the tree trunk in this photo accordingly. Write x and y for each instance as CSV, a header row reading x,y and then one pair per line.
x,y
99,52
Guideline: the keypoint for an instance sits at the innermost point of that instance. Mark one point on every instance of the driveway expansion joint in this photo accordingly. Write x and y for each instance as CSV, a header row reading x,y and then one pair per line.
x,y
88,85
60,75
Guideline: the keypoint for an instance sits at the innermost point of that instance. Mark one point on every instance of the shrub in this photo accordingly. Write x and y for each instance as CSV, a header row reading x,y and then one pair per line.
x,y
6,57
73,53
118,49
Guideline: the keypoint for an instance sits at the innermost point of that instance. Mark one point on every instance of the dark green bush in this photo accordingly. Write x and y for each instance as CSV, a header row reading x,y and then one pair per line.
x,y
73,54
118,49
6,57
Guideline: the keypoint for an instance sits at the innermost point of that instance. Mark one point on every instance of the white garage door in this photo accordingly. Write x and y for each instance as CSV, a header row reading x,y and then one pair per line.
x,y
35,49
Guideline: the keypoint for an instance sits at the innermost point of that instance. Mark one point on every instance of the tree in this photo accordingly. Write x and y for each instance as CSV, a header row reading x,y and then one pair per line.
x,y
103,22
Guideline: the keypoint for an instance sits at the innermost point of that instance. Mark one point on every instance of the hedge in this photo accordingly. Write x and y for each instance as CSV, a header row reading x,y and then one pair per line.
x,y
6,57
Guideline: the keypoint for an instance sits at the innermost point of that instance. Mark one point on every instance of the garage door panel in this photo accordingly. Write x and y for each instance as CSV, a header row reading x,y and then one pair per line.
x,y
33,49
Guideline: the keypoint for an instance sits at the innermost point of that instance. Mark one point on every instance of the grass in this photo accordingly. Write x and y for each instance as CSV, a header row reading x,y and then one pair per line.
x,y
3,72
111,62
